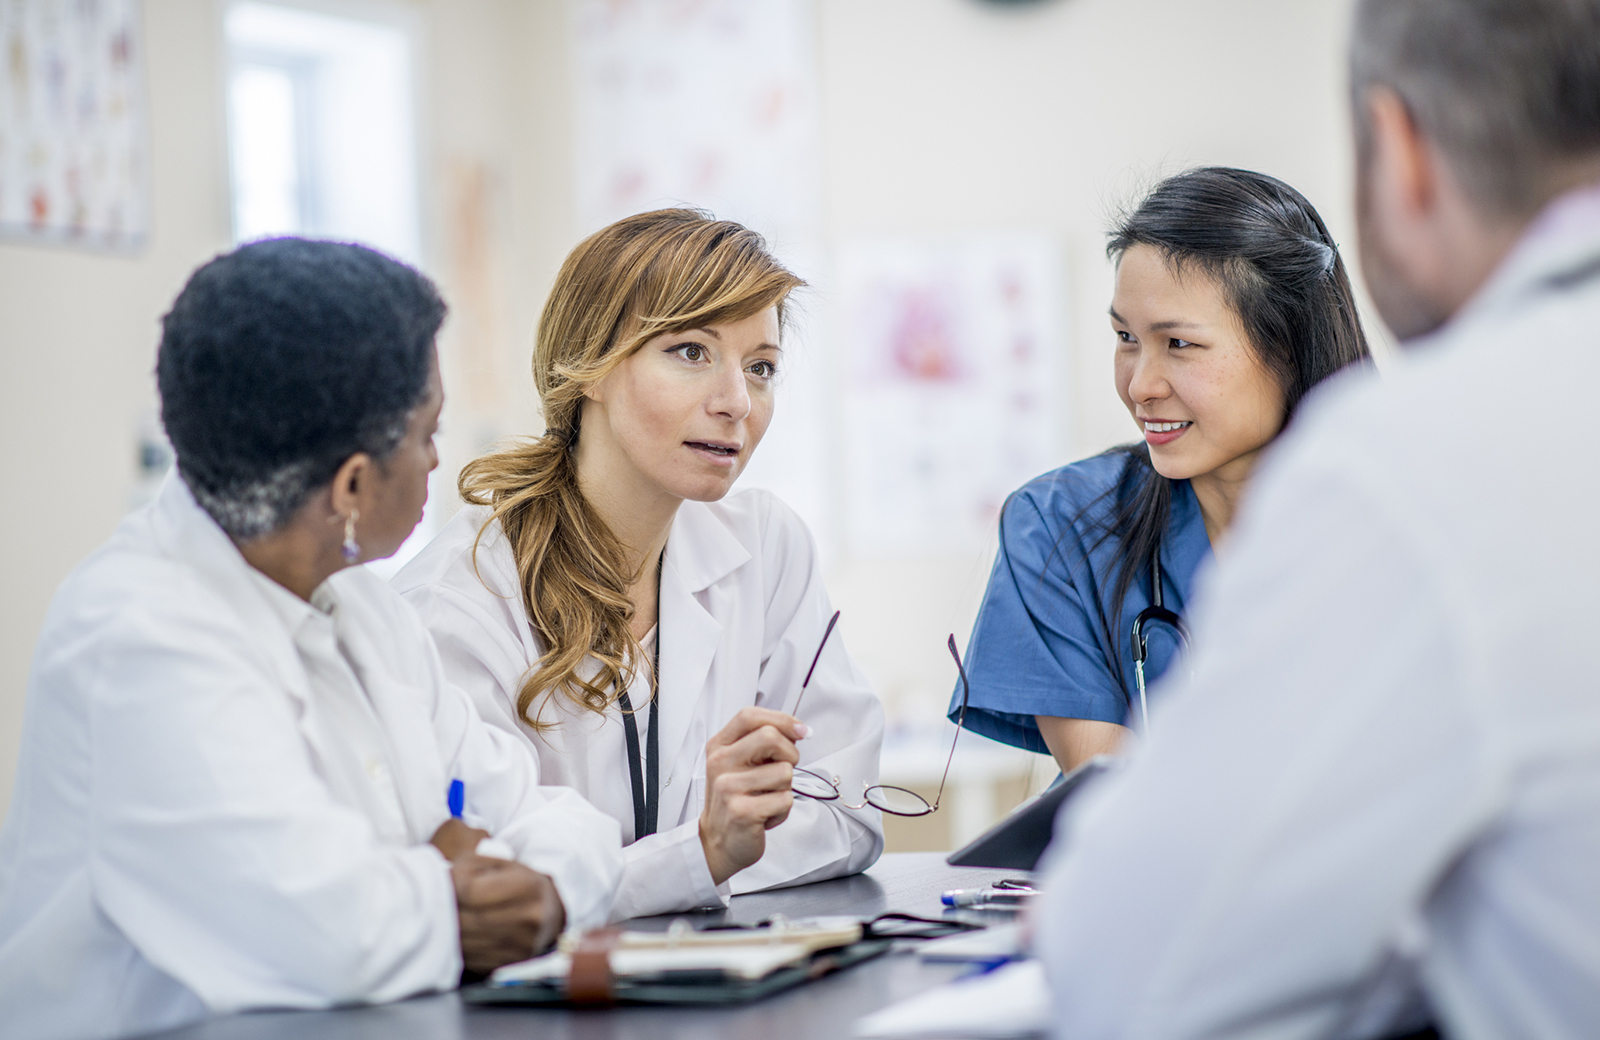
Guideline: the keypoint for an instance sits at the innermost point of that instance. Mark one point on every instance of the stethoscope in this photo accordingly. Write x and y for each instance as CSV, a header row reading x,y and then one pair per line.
x,y
1155,613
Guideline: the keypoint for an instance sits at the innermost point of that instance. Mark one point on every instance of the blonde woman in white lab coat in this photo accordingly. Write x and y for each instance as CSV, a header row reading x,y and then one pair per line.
x,y
612,543
238,749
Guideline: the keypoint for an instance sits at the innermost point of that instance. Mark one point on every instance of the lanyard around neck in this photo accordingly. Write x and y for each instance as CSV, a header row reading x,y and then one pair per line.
x,y
646,779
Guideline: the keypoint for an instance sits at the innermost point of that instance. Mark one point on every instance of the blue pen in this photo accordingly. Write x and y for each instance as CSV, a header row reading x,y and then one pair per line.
x,y
457,798
979,898
985,967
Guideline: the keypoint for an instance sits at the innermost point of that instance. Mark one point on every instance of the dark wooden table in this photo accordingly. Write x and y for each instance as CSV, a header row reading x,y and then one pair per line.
x,y
823,1010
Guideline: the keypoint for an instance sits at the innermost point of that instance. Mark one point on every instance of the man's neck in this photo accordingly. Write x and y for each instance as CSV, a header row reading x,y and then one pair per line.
x,y
1483,239
1477,248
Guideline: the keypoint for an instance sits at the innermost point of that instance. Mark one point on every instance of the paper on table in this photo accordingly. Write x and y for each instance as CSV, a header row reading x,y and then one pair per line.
x,y
1011,1003
991,944
745,962
814,933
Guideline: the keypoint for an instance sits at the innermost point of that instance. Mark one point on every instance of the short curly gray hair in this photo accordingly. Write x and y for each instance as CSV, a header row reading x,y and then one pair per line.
x,y
250,509
281,360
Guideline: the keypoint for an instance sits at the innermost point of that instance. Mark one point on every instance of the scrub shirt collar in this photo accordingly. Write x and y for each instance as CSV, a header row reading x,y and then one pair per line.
x,y
1185,546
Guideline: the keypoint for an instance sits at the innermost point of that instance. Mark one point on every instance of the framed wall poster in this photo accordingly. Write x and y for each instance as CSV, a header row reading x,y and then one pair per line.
x,y
714,104
951,392
711,103
73,135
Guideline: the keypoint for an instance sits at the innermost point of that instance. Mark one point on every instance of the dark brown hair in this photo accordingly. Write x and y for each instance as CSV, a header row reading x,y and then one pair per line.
x,y
1269,250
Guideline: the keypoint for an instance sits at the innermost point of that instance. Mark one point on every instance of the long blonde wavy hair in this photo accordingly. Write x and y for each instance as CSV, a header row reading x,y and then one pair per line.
x,y
645,276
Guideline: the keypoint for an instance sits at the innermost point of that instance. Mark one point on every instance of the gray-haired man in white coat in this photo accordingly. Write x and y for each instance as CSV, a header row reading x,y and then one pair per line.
x,y
1378,799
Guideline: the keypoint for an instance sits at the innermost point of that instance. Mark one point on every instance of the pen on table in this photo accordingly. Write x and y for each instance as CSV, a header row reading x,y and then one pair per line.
x,y
991,965
972,897
457,798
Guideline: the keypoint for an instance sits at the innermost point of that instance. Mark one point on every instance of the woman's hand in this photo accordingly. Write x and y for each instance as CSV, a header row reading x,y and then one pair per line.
x,y
455,839
749,770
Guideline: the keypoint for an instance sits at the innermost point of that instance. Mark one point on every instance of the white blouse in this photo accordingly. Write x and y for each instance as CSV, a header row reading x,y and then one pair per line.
x,y
742,610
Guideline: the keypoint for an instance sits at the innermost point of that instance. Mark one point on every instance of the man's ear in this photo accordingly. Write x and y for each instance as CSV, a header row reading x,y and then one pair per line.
x,y
1404,168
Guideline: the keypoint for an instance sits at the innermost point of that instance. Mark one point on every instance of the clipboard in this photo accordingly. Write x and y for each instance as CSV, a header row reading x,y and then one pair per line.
x,y
1017,842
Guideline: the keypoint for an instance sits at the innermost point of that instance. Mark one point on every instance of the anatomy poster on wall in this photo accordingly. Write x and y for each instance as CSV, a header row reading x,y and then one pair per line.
x,y
713,104
952,398
706,102
72,126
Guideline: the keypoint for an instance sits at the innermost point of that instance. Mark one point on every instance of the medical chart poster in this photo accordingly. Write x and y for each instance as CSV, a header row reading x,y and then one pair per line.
x,y
710,103
714,104
952,401
73,144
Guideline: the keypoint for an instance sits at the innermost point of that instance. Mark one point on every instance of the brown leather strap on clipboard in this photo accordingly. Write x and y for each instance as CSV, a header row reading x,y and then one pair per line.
x,y
589,980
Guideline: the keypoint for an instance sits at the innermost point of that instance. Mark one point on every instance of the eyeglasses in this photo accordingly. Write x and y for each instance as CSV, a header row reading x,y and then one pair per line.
x,y
897,801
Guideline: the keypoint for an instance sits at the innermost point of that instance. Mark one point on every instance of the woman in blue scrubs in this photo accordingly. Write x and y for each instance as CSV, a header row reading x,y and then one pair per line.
x,y
1230,304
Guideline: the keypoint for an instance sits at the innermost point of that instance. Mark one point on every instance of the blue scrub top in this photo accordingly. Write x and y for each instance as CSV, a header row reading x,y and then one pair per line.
x,y
1040,646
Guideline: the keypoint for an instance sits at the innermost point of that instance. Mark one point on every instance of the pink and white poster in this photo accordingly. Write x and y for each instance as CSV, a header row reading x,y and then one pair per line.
x,y
952,399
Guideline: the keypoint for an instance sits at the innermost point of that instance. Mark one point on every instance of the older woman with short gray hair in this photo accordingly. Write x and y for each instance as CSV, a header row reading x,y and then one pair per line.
x,y
244,780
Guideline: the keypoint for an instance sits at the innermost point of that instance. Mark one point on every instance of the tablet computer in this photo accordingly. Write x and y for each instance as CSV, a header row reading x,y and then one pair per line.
x,y
1017,842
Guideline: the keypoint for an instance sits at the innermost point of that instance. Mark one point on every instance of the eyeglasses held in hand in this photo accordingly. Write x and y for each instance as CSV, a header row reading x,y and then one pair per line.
x,y
897,801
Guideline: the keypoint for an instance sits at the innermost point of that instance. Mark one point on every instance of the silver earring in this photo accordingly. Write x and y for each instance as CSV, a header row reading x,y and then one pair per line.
x,y
352,551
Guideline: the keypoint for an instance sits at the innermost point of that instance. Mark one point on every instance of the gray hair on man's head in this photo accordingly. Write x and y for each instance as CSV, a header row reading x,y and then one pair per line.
x,y
1509,90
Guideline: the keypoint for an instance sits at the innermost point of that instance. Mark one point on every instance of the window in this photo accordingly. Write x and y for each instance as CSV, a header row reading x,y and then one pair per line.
x,y
321,126
322,136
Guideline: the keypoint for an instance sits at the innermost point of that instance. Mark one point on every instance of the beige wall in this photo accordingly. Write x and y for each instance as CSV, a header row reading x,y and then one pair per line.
x,y
938,115
78,333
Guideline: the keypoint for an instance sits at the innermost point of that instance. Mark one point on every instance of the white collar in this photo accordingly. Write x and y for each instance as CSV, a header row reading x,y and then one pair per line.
x,y
1562,238
700,548
295,611
185,531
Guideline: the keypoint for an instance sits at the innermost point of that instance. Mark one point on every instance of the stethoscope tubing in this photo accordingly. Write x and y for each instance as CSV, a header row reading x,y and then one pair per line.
x,y
1155,613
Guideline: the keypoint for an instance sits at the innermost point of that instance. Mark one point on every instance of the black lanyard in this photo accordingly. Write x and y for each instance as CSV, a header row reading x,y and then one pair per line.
x,y
646,781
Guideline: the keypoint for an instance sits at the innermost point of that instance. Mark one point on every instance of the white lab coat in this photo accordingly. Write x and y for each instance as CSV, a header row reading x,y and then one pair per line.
x,y
176,845
742,610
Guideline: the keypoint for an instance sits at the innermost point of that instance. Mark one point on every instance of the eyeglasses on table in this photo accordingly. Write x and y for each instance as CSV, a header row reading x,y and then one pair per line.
x,y
897,801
